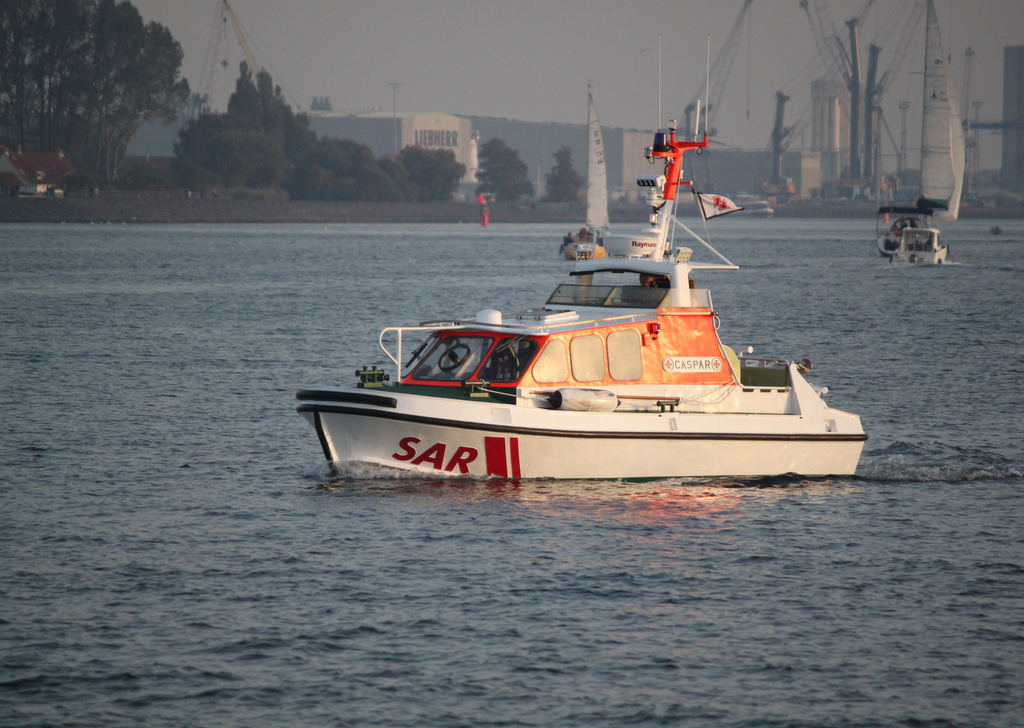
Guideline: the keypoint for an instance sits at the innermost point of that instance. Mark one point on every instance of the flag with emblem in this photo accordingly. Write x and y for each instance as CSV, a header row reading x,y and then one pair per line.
x,y
715,205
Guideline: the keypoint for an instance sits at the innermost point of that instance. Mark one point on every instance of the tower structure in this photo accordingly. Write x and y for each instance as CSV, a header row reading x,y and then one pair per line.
x,y
830,126
1012,173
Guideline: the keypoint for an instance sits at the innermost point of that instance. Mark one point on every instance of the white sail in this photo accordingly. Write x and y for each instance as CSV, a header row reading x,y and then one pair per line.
x,y
942,134
597,173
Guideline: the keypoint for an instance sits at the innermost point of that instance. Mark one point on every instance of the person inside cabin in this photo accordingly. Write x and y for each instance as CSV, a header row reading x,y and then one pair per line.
x,y
584,234
650,280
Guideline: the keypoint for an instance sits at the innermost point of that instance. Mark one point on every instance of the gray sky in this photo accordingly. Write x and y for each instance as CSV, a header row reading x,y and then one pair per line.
x,y
532,60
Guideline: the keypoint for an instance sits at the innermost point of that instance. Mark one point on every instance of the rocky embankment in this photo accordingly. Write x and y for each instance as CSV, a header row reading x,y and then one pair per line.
x,y
130,208
180,209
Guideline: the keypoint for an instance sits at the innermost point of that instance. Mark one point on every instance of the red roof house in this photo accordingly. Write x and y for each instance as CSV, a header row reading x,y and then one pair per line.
x,y
33,172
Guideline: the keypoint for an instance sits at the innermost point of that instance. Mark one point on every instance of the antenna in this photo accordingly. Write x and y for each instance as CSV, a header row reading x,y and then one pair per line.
x,y
707,89
659,80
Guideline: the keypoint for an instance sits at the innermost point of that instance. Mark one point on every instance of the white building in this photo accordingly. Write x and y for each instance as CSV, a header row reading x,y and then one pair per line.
x,y
387,133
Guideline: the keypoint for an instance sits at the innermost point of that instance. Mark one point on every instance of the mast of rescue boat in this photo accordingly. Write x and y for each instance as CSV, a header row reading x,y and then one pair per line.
x,y
663,190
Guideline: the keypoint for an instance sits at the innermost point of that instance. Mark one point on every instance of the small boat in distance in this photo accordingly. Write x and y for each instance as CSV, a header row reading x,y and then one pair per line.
x,y
922,245
754,206
587,243
607,379
942,165
906,234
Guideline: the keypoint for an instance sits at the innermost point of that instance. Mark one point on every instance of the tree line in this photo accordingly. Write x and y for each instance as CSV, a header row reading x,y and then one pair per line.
x,y
82,76
260,142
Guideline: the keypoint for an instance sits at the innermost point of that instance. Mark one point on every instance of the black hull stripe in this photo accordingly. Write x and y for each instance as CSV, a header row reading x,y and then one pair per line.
x,y
322,436
490,427
324,395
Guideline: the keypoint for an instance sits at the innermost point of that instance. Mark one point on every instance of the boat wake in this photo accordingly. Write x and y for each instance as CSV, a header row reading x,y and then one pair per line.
x,y
936,461
945,264
342,475
334,472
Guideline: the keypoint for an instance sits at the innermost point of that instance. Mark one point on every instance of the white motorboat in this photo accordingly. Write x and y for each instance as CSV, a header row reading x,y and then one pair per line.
x,y
604,380
588,242
921,245
942,166
906,234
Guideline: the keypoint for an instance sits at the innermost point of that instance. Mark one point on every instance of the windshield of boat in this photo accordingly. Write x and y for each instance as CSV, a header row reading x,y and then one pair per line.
x,y
508,362
920,240
570,294
453,358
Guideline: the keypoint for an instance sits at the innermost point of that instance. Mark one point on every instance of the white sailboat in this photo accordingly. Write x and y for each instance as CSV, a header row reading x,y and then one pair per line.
x,y
942,133
597,172
911,236
588,243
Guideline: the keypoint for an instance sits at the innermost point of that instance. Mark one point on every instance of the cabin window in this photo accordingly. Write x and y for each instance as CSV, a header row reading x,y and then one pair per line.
x,y
587,356
552,364
509,360
453,359
571,294
624,360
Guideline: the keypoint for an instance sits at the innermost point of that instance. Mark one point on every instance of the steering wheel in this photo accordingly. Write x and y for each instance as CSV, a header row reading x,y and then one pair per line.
x,y
453,357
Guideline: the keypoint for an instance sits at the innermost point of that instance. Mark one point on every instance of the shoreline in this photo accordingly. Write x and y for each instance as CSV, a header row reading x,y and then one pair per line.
x,y
154,209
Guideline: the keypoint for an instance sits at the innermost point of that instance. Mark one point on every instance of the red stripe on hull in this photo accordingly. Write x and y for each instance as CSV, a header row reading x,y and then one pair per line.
x,y
513,443
494,451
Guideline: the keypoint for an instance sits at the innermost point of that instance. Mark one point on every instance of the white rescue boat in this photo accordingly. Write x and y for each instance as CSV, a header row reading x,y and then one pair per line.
x,y
620,380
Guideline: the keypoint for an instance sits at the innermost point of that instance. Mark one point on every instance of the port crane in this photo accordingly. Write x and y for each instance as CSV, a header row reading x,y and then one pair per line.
x,y
781,138
842,66
242,40
718,75
218,34
874,91
838,62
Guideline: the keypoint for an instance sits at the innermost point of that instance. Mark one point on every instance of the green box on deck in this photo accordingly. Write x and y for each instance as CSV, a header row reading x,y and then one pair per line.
x,y
764,372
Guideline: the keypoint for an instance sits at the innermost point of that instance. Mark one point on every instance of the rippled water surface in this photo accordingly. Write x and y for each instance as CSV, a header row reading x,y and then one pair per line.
x,y
175,553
